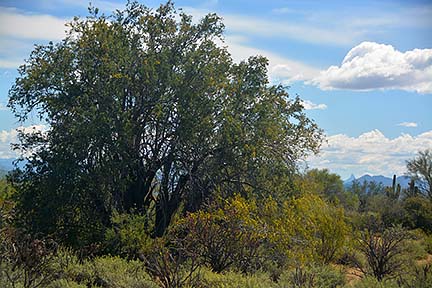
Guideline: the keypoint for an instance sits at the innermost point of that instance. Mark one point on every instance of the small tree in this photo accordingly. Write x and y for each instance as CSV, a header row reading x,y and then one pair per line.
x,y
321,226
420,169
25,261
382,251
224,236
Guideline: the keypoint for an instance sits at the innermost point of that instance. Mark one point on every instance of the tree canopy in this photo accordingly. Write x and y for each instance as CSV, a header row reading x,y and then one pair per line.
x,y
420,169
146,110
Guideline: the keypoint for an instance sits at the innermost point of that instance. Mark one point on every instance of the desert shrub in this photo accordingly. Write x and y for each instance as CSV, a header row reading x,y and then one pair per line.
x,y
108,271
129,235
371,282
312,276
421,277
383,251
63,283
419,213
210,279
324,228
117,272
306,229
225,235
327,276
24,260
428,244
414,249
172,263
6,203
389,210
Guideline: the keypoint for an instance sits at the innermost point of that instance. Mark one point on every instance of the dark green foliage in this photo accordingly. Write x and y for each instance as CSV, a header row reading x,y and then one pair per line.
x,y
128,237
418,213
420,169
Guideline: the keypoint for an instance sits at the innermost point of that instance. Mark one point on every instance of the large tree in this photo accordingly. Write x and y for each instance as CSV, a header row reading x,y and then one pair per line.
x,y
146,110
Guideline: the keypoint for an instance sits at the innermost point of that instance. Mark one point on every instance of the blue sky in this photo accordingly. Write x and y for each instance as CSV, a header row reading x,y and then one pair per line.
x,y
363,68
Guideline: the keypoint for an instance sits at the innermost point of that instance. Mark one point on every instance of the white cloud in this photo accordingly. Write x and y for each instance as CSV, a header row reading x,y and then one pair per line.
x,y
11,136
370,66
14,23
309,105
407,124
371,152
286,29
281,69
19,31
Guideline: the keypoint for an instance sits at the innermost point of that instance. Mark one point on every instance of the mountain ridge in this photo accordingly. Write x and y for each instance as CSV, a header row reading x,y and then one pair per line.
x,y
385,181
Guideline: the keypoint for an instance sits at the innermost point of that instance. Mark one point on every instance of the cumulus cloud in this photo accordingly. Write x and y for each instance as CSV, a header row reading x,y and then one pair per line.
x,y
371,152
370,66
281,69
7,137
19,31
309,105
14,23
407,124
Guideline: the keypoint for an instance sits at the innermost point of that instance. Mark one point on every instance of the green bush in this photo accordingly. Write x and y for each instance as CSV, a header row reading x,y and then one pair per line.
x,y
419,213
371,282
323,276
209,279
63,283
129,236
415,249
104,271
421,277
117,272
224,237
170,262
428,244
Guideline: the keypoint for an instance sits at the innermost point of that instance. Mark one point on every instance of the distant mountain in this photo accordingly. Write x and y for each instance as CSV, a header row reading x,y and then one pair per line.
x,y
385,181
350,179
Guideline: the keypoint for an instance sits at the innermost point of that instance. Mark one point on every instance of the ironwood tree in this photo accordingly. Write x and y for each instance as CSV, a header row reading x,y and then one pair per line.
x,y
145,111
